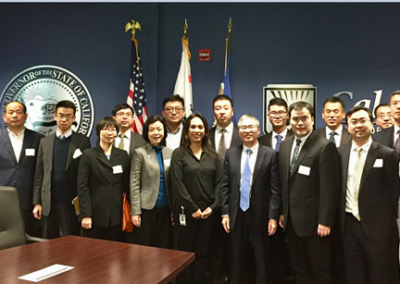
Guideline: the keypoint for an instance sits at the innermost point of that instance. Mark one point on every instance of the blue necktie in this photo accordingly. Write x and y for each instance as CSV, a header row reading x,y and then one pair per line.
x,y
245,187
278,142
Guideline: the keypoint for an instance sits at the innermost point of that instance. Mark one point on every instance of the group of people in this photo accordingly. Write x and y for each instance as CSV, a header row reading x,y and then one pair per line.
x,y
319,204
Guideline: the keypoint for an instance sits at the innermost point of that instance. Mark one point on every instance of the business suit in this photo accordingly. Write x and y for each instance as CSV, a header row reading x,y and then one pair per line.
x,y
235,136
100,186
310,195
155,229
377,205
42,192
346,137
252,225
385,137
21,174
267,138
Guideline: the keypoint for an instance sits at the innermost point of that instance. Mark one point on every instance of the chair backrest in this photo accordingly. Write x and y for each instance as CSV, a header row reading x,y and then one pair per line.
x,y
12,229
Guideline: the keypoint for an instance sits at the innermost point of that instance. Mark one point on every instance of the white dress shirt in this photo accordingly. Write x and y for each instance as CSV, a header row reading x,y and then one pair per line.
x,y
173,140
337,137
16,141
227,135
127,140
66,135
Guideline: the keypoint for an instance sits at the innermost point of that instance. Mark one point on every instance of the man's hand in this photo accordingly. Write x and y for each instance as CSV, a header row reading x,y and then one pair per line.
x,y
272,225
87,223
207,213
197,214
136,220
323,231
225,223
281,221
37,211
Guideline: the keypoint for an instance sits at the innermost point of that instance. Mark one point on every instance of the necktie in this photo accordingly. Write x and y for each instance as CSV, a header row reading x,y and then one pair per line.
x,y
122,143
358,169
278,142
295,155
397,144
245,186
222,146
332,136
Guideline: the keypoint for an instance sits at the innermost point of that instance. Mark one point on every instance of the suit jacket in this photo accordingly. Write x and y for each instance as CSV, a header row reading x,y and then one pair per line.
x,y
346,137
235,141
312,190
385,137
265,188
136,142
44,165
379,191
19,174
100,185
267,138
145,177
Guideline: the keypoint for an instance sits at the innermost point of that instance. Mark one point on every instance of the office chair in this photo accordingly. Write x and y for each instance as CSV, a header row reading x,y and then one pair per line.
x,y
12,229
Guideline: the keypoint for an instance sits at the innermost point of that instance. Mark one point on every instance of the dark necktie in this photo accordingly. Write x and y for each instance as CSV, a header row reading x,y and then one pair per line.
x,y
397,144
332,136
245,186
278,142
222,146
296,153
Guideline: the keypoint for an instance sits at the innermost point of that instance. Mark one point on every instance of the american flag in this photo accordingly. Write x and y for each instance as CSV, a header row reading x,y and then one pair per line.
x,y
137,95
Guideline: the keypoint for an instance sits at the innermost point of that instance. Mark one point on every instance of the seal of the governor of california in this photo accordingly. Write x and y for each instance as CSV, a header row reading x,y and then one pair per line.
x,y
40,88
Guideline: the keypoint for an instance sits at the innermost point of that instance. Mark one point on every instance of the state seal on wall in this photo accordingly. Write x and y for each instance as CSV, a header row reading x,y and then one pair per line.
x,y
40,88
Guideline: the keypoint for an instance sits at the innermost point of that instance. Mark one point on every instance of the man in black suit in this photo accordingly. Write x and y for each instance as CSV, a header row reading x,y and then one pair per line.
x,y
310,179
19,147
368,203
56,173
333,112
250,202
126,139
278,116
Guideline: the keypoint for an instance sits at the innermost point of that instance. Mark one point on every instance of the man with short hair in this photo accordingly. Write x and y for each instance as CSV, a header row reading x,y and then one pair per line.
x,y
19,147
383,116
174,113
333,112
368,203
310,180
250,203
126,139
278,117
55,185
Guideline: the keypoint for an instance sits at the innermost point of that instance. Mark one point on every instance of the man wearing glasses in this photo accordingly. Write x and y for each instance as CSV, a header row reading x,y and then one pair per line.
x,y
126,139
278,117
173,112
383,116
55,183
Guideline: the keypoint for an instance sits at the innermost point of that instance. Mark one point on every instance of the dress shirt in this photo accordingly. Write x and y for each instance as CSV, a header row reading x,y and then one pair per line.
x,y
173,140
395,135
127,140
16,141
303,140
66,135
337,137
351,200
253,158
274,140
227,135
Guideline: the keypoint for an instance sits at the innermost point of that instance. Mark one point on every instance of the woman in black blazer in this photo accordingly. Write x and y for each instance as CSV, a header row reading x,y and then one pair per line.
x,y
103,175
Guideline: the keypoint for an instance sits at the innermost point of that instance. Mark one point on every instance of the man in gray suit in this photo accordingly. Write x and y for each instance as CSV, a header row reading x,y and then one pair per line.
x,y
56,173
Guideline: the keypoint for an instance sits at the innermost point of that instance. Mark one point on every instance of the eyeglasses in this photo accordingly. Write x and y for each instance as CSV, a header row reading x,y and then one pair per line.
x,y
63,116
123,114
112,130
172,109
280,113
361,121
383,115
247,127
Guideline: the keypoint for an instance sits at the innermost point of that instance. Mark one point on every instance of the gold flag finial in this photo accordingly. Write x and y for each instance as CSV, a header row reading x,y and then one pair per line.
x,y
185,29
133,25
230,26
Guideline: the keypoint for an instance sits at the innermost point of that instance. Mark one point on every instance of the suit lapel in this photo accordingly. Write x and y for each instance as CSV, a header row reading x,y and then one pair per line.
x,y
285,152
72,146
304,150
345,137
238,157
259,160
212,136
369,163
7,144
235,136
49,145
345,165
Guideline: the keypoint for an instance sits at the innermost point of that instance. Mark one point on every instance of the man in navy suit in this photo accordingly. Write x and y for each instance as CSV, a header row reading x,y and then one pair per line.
x,y
250,203
19,147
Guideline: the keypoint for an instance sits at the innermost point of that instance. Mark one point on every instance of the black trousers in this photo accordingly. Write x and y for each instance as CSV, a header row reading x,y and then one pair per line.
x,y
33,227
62,221
112,233
155,229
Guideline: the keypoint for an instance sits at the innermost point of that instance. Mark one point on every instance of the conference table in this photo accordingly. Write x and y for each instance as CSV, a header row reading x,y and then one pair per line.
x,y
94,261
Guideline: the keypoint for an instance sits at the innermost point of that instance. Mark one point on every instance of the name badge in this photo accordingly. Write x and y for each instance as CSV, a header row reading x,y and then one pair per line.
x,y
117,169
30,152
304,170
77,153
167,163
378,163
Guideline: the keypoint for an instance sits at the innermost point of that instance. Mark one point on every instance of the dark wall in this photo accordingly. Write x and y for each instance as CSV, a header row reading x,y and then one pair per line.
x,y
336,47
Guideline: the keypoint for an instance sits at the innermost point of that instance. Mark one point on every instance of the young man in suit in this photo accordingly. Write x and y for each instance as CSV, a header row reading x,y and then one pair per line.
x,y
55,184
310,181
250,202
173,113
383,116
333,112
278,117
126,139
368,203
19,147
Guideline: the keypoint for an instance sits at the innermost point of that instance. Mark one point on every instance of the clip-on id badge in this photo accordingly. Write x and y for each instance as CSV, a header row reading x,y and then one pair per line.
x,y
182,217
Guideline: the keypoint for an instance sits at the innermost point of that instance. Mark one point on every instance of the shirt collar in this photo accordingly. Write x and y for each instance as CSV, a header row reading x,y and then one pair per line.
x,y
228,129
253,149
303,139
396,129
177,131
18,134
338,131
127,134
66,135
365,147
283,133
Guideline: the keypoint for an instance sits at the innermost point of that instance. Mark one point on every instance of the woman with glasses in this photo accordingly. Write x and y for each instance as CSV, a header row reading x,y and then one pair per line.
x,y
150,198
195,188
103,175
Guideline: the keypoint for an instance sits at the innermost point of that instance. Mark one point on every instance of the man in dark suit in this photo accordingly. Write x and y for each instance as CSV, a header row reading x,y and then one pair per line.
x,y
19,147
222,136
56,173
126,139
368,203
310,180
278,117
333,112
250,202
